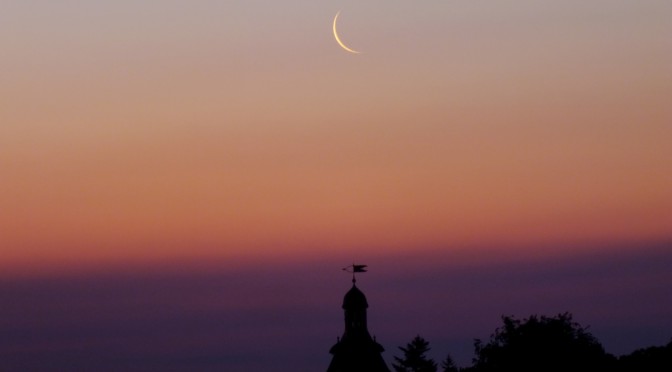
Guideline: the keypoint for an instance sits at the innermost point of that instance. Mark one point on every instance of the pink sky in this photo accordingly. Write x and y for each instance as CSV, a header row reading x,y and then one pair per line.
x,y
135,132
181,182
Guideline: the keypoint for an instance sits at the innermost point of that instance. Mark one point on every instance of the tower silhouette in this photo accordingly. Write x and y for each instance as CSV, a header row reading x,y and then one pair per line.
x,y
356,351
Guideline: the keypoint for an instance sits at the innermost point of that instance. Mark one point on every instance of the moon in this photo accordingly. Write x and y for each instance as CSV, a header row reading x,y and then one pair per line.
x,y
338,40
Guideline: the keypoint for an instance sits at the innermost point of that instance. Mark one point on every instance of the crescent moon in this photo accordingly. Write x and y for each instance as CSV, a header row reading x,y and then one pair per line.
x,y
338,40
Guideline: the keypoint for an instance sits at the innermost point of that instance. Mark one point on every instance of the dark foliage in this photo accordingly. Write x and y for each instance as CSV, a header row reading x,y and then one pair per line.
x,y
448,365
414,359
651,359
541,344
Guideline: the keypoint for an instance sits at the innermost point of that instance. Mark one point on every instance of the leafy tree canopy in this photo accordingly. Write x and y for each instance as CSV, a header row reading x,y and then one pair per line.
x,y
650,359
541,344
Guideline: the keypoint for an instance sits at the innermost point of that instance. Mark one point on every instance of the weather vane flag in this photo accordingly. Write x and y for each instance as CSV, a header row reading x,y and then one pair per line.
x,y
355,269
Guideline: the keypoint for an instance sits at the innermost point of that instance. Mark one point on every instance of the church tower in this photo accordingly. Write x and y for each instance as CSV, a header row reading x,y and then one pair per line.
x,y
356,351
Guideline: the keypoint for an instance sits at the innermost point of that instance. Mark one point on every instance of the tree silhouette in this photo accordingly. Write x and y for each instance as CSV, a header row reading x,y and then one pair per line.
x,y
448,365
414,359
541,344
650,359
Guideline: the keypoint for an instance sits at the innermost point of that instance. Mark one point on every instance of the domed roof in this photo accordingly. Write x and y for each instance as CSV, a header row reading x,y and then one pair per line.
x,y
355,299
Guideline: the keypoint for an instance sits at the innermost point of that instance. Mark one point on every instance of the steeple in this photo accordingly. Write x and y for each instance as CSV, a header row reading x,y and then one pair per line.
x,y
356,351
354,306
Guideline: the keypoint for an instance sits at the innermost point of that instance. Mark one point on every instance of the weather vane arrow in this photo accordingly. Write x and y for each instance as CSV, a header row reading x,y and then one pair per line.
x,y
355,269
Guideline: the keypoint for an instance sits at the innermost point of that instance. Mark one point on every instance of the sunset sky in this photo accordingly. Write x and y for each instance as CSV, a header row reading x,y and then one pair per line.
x,y
141,134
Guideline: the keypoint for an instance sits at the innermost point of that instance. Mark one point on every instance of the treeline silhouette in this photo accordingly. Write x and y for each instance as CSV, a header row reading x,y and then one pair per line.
x,y
538,343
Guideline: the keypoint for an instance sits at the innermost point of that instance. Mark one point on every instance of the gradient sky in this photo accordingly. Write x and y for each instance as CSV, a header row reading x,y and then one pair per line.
x,y
143,133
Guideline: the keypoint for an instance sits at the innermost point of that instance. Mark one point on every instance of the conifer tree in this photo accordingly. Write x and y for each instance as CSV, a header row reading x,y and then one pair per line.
x,y
448,365
414,359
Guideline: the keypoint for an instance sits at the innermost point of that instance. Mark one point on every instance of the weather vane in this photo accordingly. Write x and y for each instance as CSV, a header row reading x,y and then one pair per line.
x,y
355,269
